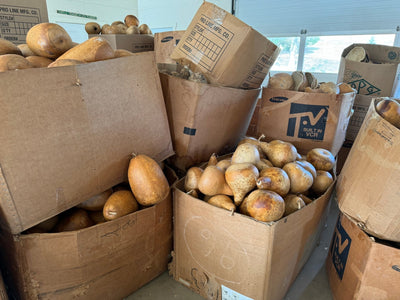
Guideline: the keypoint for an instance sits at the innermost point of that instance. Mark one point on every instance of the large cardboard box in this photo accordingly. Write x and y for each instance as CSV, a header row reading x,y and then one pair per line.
x,y
18,16
106,261
131,42
218,254
205,118
361,268
368,185
226,50
372,79
164,44
68,133
306,120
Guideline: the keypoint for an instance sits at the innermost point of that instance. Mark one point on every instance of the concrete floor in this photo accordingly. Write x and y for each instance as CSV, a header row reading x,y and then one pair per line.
x,y
310,284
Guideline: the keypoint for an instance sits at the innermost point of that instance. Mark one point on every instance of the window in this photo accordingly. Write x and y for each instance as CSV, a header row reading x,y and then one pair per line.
x,y
289,55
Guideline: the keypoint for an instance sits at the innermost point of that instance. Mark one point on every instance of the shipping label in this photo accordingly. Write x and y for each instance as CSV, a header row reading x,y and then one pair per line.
x,y
207,42
15,21
340,248
307,121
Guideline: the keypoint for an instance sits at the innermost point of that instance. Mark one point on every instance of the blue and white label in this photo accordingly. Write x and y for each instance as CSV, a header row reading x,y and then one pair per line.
x,y
307,121
340,249
228,294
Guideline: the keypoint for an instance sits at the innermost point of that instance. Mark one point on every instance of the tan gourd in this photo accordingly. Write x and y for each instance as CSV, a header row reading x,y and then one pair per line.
x,y
263,205
389,109
224,164
65,62
293,203
47,225
308,166
322,182
241,178
48,40
263,164
7,47
212,182
132,30
321,159
145,29
274,179
192,178
73,219
94,49
300,179
122,53
92,28
39,61
281,81
97,216
119,204
9,62
25,50
279,152
222,201
246,153
131,20
212,160
147,180
96,202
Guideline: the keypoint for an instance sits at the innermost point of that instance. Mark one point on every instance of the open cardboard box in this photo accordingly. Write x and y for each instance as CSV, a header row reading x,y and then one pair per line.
x,y
131,42
368,185
219,253
307,120
359,267
204,118
105,261
164,44
68,133
225,49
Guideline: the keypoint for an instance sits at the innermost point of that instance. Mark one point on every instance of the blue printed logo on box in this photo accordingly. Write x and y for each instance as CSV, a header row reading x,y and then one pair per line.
x,y
340,248
307,121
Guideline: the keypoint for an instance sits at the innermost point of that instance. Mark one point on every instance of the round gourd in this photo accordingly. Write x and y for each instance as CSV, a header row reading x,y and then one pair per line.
x,y
147,180
119,204
48,40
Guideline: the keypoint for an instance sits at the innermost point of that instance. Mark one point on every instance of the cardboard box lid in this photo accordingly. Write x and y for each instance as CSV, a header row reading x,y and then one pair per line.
x,y
360,268
131,42
17,17
164,44
307,120
205,118
67,133
255,259
225,49
367,187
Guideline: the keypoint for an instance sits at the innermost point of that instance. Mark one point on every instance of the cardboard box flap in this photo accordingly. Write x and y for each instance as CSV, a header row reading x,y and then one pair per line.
x,y
68,133
378,53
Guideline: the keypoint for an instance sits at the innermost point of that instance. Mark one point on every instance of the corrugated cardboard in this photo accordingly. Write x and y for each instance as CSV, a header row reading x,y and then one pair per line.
x,y
131,42
372,79
360,268
306,120
164,44
360,108
3,292
216,252
368,185
226,50
67,133
204,118
18,16
106,261
342,155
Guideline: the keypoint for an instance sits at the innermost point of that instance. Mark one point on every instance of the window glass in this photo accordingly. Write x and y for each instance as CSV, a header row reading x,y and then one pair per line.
x,y
288,57
322,53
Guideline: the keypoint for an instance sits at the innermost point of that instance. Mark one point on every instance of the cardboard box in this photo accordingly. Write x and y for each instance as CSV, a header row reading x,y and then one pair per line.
x,y
204,118
218,254
18,16
106,261
306,120
226,50
372,79
68,133
360,108
131,42
359,267
164,44
368,185
3,291
342,155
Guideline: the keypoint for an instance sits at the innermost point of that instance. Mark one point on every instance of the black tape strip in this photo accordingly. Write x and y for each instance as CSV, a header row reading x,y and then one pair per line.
x,y
189,131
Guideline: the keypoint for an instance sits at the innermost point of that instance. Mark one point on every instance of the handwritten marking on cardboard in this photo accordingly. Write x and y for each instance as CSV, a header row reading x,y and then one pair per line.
x,y
218,248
